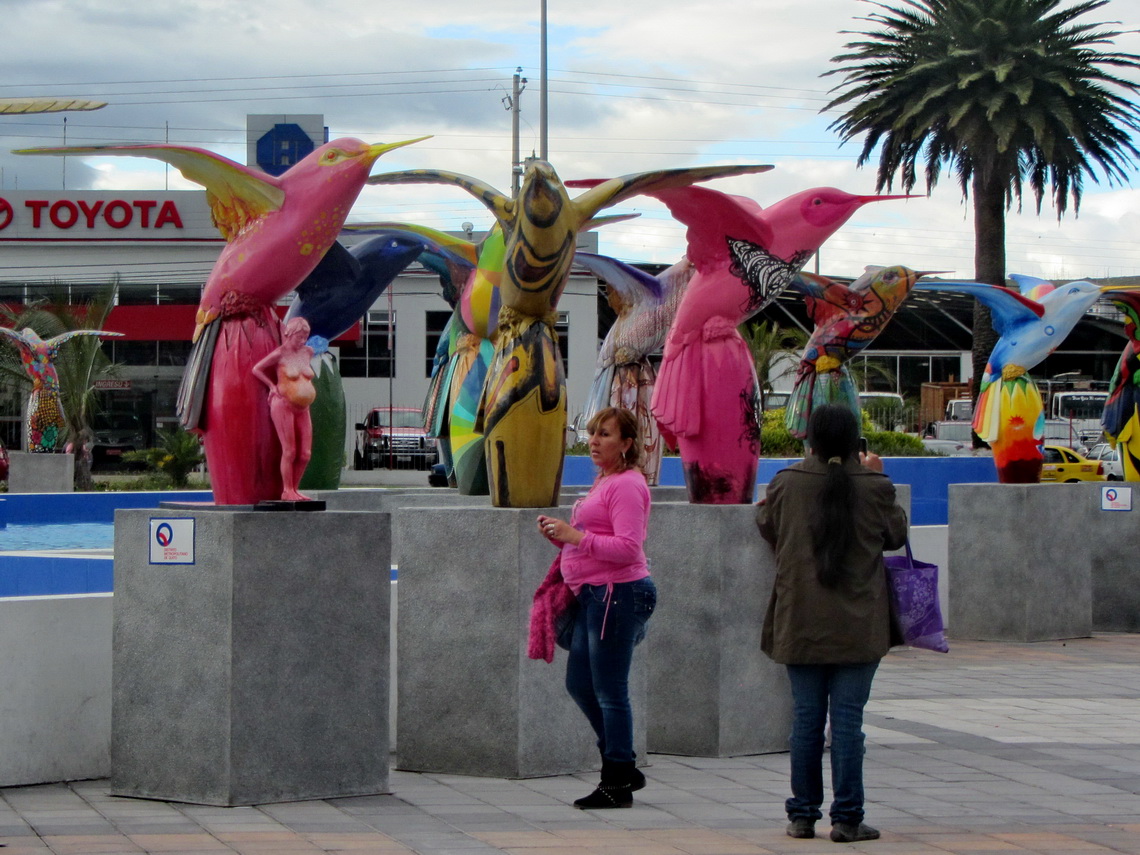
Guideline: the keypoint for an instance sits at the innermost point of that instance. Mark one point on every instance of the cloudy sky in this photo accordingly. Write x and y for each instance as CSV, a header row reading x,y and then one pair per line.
x,y
633,86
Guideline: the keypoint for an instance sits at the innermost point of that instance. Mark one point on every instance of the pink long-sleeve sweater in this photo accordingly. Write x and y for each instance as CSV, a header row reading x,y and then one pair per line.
x,y
615,517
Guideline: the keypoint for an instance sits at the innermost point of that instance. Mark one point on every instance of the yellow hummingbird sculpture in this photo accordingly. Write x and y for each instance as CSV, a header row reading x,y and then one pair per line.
x,y
523,408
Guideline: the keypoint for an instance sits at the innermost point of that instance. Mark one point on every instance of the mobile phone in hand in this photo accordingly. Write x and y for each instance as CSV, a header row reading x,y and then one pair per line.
x,y
864,448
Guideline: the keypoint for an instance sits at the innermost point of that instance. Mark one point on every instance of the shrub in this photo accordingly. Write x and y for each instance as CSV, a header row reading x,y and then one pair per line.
x,y
775,440
177,455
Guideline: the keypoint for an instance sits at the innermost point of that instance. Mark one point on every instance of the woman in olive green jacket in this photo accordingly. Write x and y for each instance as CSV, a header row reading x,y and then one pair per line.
x,y
829,519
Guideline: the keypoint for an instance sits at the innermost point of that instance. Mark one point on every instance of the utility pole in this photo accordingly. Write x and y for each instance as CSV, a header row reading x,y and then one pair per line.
x,y
516,105
543,151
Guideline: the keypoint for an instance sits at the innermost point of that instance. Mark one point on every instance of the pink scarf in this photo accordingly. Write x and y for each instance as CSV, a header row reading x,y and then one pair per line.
x,y
551,599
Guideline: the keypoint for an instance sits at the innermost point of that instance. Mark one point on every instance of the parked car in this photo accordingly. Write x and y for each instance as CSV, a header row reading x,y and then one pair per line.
x,y
959,409
3,463
116,432
776,400
1110,457
576,430
1065,464
395,436
952,439
886,410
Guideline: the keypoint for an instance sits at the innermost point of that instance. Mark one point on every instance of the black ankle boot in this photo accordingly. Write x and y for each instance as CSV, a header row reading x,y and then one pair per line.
x,y
619,780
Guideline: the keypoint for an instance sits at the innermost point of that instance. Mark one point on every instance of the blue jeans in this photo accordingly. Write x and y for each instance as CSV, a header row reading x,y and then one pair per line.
x,y
597,671
844,690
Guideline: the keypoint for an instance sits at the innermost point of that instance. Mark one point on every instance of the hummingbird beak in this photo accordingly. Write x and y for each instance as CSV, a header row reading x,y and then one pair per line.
x,y
374,151
865,199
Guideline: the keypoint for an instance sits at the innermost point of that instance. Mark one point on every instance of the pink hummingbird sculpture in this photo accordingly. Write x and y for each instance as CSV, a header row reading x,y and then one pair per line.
x,y
745,255
278,230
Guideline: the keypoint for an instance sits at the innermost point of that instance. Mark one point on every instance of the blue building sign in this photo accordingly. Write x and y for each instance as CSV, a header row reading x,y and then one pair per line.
x,y
281,147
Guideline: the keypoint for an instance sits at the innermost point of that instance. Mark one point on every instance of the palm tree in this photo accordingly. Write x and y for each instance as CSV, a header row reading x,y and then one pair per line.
x,y
1006,93
81,361
768,341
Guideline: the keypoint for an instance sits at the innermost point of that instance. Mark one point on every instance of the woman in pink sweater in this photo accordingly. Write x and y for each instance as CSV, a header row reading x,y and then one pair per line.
x,y
603,562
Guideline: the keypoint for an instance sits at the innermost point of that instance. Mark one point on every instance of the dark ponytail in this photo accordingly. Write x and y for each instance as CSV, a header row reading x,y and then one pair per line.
x,y
833,436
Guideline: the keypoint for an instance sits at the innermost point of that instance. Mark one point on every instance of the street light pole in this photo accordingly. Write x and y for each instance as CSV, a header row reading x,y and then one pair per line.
x,y
542,138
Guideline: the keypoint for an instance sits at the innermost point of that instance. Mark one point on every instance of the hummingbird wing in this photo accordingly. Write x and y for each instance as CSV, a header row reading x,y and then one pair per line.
x,y
9,106
236,194
633,284
54,343
19,341
196,377
346,282
1008,307
609,219
606,192
824,298
441,243
497,203
1031,287
453,258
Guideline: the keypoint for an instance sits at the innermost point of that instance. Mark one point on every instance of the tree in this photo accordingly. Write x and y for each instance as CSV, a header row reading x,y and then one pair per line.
x,y
768,341
81,361
1006,93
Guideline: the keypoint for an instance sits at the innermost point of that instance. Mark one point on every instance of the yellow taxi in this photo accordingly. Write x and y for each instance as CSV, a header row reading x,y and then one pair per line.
x,y
1064,464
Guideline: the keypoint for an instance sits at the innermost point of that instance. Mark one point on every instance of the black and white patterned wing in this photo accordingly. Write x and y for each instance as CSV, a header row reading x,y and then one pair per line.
x,y
765,275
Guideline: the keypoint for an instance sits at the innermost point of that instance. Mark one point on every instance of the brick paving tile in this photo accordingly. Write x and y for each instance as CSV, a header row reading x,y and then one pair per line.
x,y
179,843
90,844
357,842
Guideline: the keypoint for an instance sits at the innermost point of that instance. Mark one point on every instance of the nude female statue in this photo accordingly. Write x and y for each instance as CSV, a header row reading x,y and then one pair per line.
x,y
291,392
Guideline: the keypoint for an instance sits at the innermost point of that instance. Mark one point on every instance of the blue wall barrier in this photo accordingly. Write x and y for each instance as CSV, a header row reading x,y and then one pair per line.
x,y
44,575
929,478
43,508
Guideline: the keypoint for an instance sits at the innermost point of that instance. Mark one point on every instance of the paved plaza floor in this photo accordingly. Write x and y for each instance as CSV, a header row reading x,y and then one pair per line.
x,y
995,747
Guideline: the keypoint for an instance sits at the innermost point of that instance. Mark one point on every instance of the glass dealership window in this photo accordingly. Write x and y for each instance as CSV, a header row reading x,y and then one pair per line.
x,y
436,321
375,354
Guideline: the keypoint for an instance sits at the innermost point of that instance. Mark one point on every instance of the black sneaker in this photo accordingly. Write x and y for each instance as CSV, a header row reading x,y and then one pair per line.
x,y
845,832
801,828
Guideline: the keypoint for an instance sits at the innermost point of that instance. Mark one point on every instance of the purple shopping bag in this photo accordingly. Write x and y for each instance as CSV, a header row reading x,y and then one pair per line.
x,y
913,589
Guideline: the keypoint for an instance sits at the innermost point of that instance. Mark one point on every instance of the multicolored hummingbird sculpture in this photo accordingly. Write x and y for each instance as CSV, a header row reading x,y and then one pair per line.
x,y
277,230
523,408
745,255
469,273
1010,415
624,377
46,428
847,318
1121,419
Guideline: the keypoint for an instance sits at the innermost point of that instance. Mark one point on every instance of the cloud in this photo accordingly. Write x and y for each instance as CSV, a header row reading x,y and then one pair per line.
x,y
633,86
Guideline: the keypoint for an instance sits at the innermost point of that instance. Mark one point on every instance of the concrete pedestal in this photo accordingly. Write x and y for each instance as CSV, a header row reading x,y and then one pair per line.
x,y
469,701
1021,559
259,672
712,692
40,473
